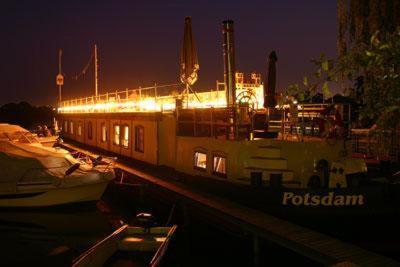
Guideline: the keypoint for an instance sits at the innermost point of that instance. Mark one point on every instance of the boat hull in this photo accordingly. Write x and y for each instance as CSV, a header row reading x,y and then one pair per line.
x,y
324,203
54,197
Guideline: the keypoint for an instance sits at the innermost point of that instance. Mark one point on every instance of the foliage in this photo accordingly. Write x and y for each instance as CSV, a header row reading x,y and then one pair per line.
x,y
373,68
379,64
358,20
319,81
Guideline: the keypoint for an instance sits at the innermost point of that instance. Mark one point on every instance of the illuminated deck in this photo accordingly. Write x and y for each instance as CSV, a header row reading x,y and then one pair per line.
x,y
160,98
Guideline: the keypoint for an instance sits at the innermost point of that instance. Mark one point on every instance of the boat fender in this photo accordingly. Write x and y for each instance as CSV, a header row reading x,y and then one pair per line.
x,y
58,142
73,168
97,161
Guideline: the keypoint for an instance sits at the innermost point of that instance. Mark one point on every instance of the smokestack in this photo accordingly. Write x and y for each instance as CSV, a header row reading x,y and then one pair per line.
x,y
228,49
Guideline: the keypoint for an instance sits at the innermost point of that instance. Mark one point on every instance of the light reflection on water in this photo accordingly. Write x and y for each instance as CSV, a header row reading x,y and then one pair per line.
x,y
50,237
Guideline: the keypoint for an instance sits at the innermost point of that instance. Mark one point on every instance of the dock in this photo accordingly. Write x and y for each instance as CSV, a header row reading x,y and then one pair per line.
x,y
308,243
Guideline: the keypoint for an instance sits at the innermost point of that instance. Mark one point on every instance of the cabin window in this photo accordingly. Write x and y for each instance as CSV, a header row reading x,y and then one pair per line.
x,y
219,165
103,133
79,129
200,160
65,126
139,138
71,127
90,130
125,136
117,134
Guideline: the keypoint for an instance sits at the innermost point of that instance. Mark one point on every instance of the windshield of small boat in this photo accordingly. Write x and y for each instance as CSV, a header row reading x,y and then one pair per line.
x,y
23,137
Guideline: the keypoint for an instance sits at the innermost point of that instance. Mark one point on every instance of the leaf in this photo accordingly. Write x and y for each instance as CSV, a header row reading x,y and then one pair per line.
x,y
325,65
384,46
301,97
374,39
325,89
318,74
313,89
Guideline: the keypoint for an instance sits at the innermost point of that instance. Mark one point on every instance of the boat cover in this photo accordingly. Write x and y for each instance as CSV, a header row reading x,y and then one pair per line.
x,y
24,159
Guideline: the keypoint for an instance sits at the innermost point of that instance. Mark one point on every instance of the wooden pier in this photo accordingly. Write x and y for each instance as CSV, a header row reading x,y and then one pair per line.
x,y
313,245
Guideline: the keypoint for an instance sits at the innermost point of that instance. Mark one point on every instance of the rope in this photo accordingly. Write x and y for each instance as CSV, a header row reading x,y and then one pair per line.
x,y
171,214
83,72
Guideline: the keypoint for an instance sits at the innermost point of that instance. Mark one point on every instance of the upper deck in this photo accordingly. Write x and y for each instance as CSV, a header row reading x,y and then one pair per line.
x,y
162,98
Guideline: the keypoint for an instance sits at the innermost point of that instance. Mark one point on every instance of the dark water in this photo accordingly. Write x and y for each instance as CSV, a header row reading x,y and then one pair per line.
x,y
49,238
55,237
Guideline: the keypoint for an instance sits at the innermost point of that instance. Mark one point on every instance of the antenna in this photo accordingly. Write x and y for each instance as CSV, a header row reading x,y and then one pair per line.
x,y
96,77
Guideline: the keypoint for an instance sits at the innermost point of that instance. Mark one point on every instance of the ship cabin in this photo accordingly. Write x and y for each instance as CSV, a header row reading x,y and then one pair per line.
x,y
200,135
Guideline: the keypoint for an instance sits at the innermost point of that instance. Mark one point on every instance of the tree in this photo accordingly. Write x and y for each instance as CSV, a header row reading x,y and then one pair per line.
x,y
368,61
373,69
359,20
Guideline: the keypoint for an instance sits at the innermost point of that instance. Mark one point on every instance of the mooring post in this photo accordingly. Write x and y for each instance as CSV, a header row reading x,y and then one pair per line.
x,y
256,251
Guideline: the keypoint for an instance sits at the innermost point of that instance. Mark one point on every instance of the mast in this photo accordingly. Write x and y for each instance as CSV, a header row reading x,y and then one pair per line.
x,y
60,77
96,77
228,49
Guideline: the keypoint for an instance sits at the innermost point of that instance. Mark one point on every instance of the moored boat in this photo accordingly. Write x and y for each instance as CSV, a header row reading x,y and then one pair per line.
x,y
33,175
139,242
242,136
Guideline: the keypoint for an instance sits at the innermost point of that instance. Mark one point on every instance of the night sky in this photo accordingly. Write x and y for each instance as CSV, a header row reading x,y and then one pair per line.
x,y
139,42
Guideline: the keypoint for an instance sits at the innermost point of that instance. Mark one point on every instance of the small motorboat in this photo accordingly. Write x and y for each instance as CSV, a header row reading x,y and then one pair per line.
x,y
34,175
136,241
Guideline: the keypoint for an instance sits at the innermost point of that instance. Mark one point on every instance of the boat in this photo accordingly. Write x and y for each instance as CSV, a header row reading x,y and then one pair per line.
x,y
34,175
284,155
139,242
49,140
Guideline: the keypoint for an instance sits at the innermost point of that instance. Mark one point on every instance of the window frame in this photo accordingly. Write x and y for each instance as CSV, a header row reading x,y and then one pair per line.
x,y
103,125
124,127
219,155
90,130
79,130
71,127
137,130
195,166
119,134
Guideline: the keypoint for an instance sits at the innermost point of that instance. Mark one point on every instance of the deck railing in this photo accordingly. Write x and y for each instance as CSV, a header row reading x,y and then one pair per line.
x,y
155,98
377,144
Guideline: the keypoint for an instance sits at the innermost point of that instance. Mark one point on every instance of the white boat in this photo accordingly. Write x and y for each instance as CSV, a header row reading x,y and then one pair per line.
x,y
34,175
129,239
48,140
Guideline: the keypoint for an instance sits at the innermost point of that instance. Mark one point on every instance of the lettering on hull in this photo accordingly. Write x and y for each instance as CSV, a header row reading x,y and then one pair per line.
x,y
330,199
